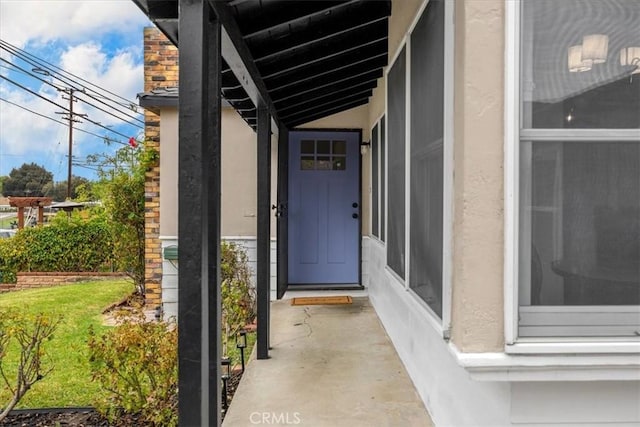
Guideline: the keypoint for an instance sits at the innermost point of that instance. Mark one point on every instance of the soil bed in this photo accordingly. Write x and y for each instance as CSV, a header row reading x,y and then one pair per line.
x,y
87,417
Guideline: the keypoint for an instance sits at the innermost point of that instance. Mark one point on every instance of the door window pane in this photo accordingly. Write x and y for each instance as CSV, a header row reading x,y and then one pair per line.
x,y
324,163
307,147
339,147
307,163
324,147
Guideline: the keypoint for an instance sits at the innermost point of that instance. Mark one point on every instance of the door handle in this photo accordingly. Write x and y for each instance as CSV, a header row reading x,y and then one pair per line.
x,y
354,216
280,210
354,205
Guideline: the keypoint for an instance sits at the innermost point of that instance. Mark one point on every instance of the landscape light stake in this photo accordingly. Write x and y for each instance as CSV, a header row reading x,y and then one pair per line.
x,y
241,344
226,366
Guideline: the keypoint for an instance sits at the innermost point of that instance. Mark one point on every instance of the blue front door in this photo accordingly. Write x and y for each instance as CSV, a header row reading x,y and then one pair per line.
x,y
324,207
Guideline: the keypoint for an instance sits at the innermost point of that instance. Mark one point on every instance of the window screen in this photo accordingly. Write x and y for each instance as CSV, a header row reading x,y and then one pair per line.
x,y
427,103
396,167
374,182
383,174
579,231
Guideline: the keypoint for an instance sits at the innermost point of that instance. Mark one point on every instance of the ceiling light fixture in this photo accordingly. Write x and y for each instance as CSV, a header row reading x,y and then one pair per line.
x,y
630,56
595,47
575,60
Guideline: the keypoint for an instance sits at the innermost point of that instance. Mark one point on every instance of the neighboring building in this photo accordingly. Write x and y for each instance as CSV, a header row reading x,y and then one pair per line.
x,y
493,216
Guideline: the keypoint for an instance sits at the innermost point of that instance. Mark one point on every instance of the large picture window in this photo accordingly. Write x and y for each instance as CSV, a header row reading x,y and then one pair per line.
x,y
579,168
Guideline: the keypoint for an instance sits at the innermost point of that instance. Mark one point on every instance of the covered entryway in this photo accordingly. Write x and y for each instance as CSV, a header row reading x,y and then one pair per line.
x,y
324,208
281,64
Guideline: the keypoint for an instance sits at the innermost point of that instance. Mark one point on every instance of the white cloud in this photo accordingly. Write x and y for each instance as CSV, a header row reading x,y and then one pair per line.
x,y
23,21
119,74
73,33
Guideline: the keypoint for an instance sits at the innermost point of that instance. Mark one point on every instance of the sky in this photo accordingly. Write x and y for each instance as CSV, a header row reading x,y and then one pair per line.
x,y
98,41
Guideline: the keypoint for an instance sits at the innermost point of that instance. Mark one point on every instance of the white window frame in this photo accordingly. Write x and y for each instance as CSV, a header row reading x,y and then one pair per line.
x,y
379,166
513,138
441,324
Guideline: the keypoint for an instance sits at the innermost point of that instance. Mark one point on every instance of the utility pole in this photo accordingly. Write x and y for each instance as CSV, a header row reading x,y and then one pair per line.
x,y
71,117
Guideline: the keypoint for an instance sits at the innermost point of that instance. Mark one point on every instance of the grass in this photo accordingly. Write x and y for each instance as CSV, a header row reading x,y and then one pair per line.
x,y
81,305
6,222
233,353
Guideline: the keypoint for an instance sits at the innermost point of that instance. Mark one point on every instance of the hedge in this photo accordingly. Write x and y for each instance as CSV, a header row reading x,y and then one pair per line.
x,y
65,246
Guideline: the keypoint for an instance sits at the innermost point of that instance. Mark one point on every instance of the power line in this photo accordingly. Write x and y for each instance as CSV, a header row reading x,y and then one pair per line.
x,y
63,123
83,100
31,91
38,63
60,106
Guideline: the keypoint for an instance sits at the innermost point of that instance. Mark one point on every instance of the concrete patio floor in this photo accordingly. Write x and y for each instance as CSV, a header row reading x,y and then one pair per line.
x,y
330,366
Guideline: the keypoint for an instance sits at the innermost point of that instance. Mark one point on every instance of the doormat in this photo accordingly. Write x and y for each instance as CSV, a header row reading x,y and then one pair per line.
x,y
336,300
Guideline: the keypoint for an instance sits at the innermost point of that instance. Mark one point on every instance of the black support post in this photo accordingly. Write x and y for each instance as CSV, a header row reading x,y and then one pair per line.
x,y
264,231
199,216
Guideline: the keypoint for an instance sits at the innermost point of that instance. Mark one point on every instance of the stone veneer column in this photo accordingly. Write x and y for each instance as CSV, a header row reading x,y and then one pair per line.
x,y
160,71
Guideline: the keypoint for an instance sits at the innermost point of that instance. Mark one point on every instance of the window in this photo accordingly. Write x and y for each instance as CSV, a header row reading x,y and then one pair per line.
x,y
579,169
377,179
383,172
396,110
427,155
375,166
323,155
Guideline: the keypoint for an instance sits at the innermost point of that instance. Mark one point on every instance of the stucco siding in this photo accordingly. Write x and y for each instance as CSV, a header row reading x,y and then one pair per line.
x,y
478,232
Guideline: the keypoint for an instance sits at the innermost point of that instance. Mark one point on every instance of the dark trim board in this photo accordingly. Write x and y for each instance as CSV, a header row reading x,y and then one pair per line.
x,y
282,221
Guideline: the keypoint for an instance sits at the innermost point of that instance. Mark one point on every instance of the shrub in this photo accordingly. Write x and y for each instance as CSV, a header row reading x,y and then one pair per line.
x,y
137,363
24,335
238,296
68,244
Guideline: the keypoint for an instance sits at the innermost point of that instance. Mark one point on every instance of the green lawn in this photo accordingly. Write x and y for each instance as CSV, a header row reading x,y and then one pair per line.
x,y
6,222
81,305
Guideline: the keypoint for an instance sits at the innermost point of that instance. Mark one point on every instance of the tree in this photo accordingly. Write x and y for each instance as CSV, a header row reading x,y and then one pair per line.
x,y
80,187
27,180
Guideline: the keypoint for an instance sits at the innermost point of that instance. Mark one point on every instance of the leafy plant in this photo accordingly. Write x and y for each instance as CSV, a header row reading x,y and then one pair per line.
x,y
25,334
137,363
121,189
238,296
68,244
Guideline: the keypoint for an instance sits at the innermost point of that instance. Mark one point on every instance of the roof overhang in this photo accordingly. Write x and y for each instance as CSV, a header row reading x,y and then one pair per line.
x,y
303,60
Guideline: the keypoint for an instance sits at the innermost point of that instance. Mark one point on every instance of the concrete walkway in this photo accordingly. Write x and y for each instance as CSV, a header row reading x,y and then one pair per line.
x,y
330,366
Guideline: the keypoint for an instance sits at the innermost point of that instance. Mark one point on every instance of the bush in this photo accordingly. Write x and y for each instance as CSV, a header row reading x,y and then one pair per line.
x,y
238,296
65,245
22,352
137,363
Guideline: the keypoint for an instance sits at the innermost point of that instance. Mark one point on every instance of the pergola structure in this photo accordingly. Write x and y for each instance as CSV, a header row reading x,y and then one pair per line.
x,y
280,64
29,202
